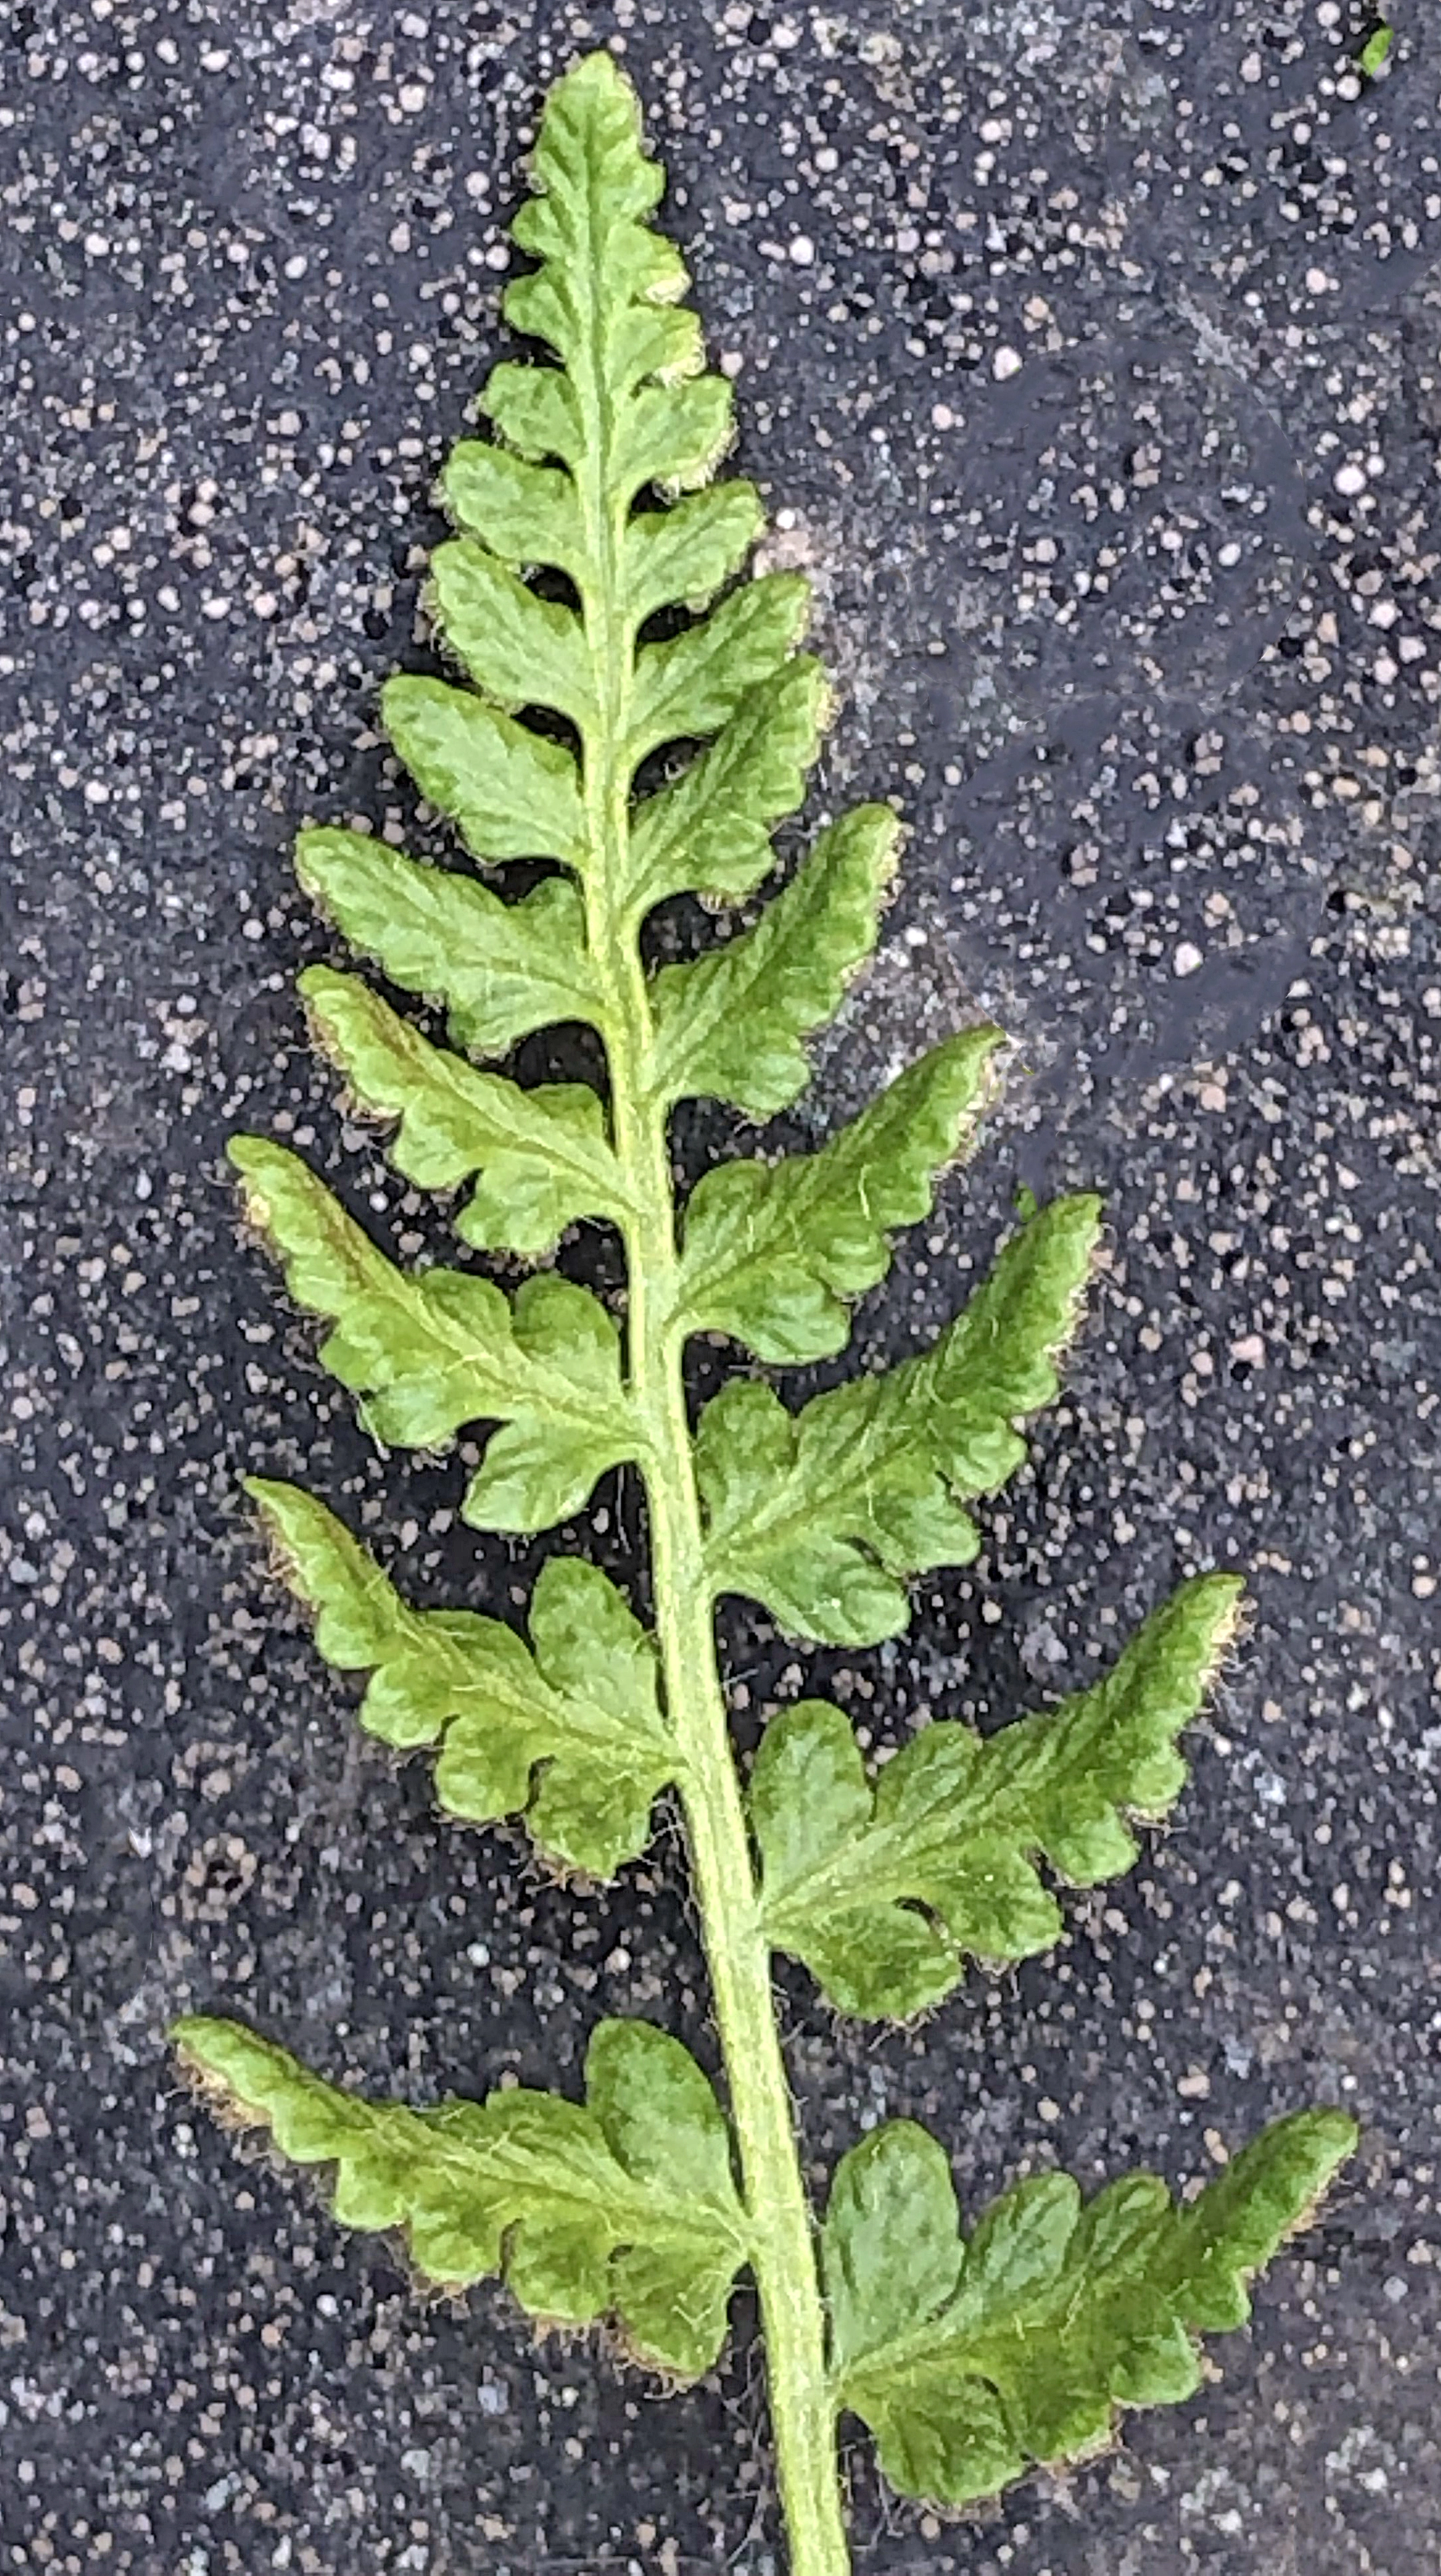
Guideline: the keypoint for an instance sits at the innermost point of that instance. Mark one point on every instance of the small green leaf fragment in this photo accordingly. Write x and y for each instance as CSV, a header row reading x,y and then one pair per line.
x,y
956,1823
1376,51
694,683
685,553
968,2361
731,1024
809,1794
522,513
501,969
998,1362
537,1473
1235,2226
588,1711
811,1807
543,1465
891,2249
792,1509
587,222
1020,2243
543,1153
673,435
590,1645
880,1963
356,1606
557,2268
584,1815
774,1252
586,2212
535,411
659,2114
512,793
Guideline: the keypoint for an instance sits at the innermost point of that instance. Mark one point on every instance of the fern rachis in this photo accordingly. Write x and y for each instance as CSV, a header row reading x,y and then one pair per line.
x,y
968,2357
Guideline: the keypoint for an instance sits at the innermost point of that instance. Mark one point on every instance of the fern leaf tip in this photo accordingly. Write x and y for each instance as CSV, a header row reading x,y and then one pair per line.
x,y
212,2053
247,1152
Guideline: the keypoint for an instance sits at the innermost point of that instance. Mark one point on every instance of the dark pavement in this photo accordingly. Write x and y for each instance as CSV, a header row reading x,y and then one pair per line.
x,y
1089,353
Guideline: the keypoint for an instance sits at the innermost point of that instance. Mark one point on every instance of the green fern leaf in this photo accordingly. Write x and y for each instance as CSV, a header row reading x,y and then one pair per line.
x,y
524,513
543,1153
955,1821
628,408
731,1024
709,829
511,793
518,649
774,1251
684,555
501,969
625,2207
567,1734
969,2360
434,1351
695,683
821,1515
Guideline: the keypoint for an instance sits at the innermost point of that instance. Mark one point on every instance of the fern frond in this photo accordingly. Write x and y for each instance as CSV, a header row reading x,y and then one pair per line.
x,y
638,728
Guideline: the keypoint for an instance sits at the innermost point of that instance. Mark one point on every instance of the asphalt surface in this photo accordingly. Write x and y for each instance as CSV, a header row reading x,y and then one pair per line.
x,y
1090,356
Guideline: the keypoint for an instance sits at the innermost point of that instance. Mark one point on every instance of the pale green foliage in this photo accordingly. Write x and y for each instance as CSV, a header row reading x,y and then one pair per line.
x,y
773,1251
969,2359
542,1153
822,1514
581,1702
625,2207
501,969
732,1022
663,765
432,1350
953,1824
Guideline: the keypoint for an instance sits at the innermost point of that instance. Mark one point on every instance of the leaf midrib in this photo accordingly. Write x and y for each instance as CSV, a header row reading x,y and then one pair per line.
x,y
499,2162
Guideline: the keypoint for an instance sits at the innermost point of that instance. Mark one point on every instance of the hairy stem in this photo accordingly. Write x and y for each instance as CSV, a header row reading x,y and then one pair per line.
x,y
783,2249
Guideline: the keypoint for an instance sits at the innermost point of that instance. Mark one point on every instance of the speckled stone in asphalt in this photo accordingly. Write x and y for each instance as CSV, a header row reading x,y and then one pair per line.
x,y
1089,352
